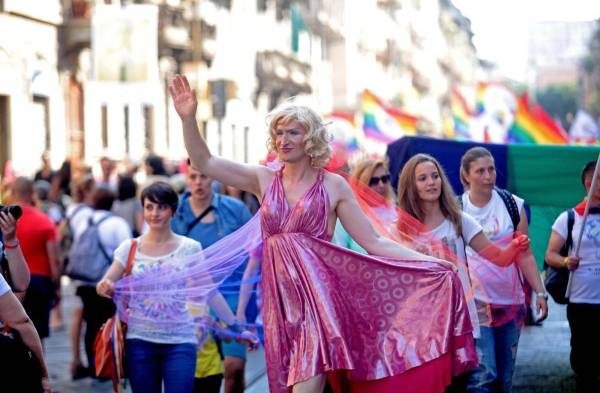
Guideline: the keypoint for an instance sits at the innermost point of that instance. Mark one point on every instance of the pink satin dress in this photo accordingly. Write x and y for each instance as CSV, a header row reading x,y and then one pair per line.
x,y
375,322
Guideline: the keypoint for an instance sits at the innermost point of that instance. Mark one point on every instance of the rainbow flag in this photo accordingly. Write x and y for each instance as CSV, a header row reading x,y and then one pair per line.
x,y
383,122
344,130
533,125
461,114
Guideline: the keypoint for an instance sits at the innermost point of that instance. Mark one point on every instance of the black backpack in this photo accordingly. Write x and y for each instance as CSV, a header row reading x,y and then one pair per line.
x,y
509,203
558,278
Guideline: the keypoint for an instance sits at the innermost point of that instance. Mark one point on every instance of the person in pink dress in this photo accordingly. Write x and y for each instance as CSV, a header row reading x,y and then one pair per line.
x,y
328,311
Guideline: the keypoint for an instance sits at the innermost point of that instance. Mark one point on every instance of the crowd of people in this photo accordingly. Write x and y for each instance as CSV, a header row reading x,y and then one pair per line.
x,y
362,288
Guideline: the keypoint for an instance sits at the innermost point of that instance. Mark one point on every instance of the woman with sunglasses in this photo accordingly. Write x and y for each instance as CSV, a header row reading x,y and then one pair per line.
x,y
373,173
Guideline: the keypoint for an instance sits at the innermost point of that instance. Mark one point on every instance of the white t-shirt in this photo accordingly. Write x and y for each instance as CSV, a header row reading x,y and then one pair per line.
x,y
4,287
446,233
77,215
143,323
499,285
585,284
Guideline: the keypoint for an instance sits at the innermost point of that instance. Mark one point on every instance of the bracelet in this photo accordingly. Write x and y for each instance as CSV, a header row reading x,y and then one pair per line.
x,y
11,246
566,262
543,295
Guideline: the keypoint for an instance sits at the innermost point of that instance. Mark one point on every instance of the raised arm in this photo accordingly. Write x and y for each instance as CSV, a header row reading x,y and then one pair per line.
x,y
361,230
245,177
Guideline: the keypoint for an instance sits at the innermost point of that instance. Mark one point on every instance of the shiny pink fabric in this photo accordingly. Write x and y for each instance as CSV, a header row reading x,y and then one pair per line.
x,y
327,308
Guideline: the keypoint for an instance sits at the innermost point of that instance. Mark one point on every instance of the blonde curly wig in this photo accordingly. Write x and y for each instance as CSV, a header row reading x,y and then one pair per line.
x,y
316,140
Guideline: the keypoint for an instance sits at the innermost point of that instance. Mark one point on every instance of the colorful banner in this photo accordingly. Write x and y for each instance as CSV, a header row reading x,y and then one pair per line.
x,y
548,177
533,125
383,122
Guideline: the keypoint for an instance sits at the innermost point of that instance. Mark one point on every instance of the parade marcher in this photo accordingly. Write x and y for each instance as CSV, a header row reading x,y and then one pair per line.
x,y
12,314
501,294
375,175
127,205
45,172
102,232
316,318
156,353
37,236
108,177
77,215
425,193
583,309
207,217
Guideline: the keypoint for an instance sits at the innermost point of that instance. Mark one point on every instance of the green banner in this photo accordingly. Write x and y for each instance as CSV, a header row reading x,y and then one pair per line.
x,y
549,179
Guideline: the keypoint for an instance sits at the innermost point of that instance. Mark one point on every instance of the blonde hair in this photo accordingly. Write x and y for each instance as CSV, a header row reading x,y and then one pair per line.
x,y
363,172
408,196
316,140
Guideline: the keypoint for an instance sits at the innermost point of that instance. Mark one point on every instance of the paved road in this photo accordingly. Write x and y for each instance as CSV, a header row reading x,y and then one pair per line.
x,y
542,359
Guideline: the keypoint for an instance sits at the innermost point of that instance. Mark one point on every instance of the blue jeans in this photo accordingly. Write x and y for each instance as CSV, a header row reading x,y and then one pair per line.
x,y
497,351
149,364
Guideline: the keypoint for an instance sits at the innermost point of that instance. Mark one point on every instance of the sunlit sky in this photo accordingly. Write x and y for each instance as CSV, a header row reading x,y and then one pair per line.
x,y
501,26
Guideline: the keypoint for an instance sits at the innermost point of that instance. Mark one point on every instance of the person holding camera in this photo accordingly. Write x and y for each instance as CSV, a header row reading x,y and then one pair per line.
x,y
13,262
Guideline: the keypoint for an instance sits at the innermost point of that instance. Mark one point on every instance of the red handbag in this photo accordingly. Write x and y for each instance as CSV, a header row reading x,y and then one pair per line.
x,y
109,345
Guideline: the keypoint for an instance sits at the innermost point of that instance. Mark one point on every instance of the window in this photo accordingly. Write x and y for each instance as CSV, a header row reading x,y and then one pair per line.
x,y
148,112
104,125
126,124
41,118
4,132
223,3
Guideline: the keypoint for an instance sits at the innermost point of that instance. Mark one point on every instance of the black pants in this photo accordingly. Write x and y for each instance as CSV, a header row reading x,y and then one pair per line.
x,y
38,301
210,384
584,321
96,310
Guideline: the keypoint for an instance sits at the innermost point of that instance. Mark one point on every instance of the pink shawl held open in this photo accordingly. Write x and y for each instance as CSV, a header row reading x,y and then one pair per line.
x,y
371,323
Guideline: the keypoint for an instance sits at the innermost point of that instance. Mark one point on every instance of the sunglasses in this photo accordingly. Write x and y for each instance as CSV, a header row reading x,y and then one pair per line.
x,y
375,180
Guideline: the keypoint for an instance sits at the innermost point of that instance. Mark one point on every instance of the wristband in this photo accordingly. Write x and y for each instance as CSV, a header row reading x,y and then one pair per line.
x,y
566,262
11,246
543,295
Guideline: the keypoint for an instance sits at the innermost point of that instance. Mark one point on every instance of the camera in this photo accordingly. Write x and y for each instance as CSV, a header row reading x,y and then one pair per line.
x,y
13,210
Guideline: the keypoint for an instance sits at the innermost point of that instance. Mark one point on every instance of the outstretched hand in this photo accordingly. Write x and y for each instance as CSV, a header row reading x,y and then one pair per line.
x,y
184,97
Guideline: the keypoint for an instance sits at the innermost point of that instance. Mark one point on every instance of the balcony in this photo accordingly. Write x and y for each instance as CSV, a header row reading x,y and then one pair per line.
x,y
76,28
278,72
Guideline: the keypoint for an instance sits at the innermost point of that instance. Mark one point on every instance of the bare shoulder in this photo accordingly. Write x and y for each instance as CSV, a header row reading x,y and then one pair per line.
x,y
336,186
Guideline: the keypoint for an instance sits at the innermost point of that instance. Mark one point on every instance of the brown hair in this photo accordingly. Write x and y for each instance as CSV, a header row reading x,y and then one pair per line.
x,y
471,155
363,171
408,198
80,185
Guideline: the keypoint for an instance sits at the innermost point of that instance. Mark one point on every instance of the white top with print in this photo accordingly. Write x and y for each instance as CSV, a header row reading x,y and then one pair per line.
x,y
446,233
585,284
154,319
498,285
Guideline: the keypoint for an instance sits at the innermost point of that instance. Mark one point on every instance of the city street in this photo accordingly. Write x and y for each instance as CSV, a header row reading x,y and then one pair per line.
x,y
542,360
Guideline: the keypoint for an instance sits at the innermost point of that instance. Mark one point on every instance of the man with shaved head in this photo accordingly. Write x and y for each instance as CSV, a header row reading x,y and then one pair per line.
x,y
37,236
